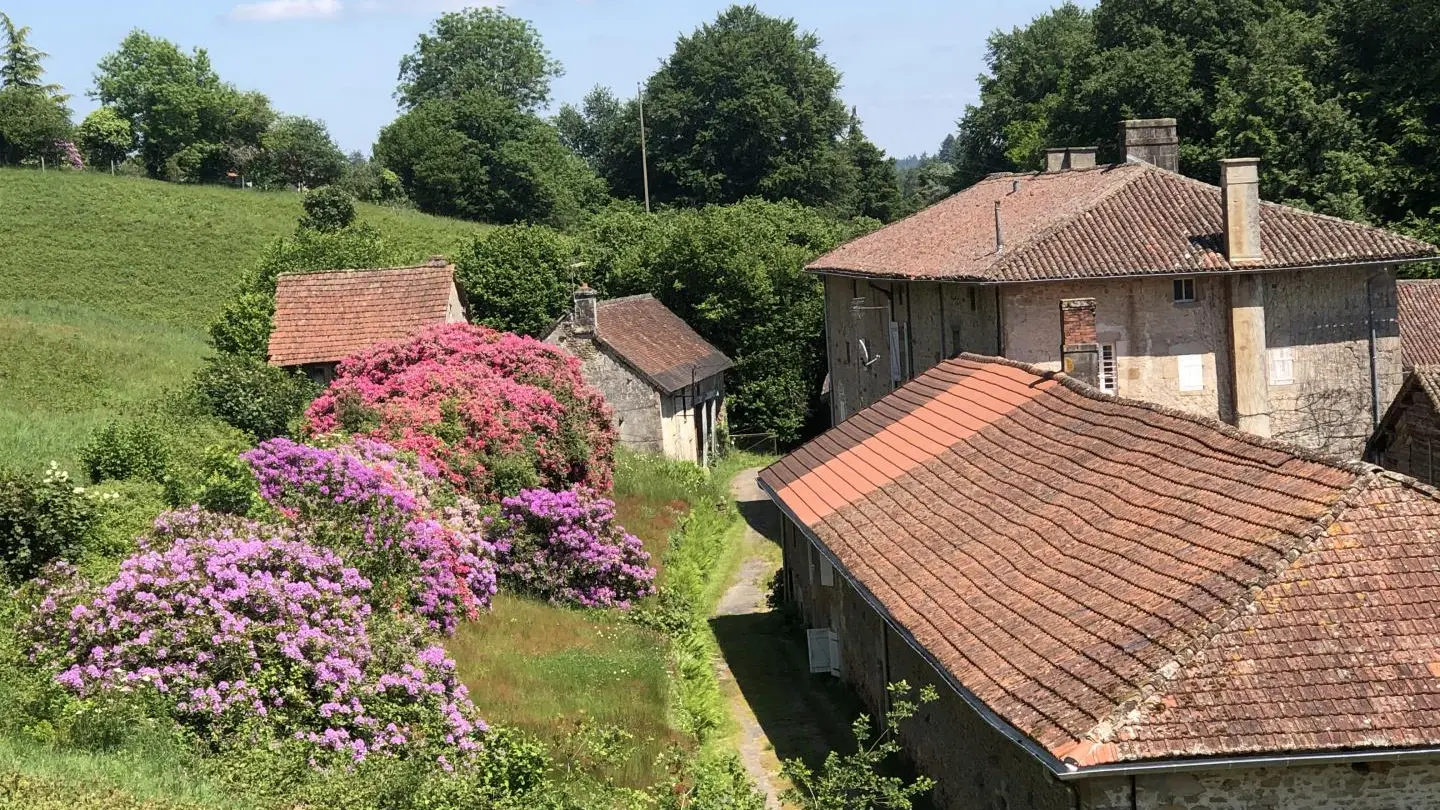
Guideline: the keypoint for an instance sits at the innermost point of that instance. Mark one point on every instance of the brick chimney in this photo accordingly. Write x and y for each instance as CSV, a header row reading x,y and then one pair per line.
x,y
583,322
1240,198
1079,342
1151,140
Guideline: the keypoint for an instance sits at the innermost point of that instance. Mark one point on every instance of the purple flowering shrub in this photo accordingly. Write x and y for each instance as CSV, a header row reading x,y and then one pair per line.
x,y
566,547
364,500
239,627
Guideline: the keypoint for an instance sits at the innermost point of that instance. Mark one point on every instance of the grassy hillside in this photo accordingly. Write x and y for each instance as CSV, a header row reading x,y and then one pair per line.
x,y
107,285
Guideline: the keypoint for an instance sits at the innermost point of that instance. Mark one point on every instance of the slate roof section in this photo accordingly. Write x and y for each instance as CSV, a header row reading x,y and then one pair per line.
x,y
326,317
1419,305
1131,219
656,342
1086,566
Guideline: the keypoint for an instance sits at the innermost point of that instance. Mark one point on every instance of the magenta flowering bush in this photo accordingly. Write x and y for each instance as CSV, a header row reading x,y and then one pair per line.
x,y
493,411
566,547
364,500
242,628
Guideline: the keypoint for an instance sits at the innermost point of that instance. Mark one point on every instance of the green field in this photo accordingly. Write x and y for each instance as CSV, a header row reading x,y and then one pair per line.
x,y
107,285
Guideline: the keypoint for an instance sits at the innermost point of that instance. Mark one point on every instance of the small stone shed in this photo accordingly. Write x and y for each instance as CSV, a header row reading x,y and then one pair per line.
x,y
322,318
1122,605
1408,437
665,383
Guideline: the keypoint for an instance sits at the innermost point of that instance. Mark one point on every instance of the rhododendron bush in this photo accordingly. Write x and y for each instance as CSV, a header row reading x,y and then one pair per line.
x,y
242,629
566,546
364,500
492,411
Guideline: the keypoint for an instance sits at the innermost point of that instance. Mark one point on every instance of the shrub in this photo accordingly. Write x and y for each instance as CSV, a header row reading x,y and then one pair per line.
x,y
240,629
566,547
518,277
253,396
41,521
328,209
125,451
216,479
493,411
366,502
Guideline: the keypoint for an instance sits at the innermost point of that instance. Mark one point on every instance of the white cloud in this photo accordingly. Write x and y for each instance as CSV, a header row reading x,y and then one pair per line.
x,y
270,10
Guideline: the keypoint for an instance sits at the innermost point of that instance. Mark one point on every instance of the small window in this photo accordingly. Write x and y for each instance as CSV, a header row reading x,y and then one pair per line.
x,y
1282,365
1108,375
827,572
1184,290
1191,371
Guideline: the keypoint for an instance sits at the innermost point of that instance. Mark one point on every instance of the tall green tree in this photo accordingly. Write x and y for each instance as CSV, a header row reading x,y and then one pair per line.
x,y
105,137
20,62
605,132
31,126
299,151
479,49
748,106
876,183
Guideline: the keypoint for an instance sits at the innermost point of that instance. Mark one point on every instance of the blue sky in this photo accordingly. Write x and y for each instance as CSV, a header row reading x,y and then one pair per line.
x,y
908,65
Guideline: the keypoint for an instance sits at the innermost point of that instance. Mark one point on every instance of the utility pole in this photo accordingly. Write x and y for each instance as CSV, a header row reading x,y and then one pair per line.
x,y
644,158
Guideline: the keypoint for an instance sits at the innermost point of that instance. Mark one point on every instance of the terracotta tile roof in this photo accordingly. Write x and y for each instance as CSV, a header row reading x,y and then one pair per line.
x,y
1123,220
1419,304
1073,560
657,343
325,317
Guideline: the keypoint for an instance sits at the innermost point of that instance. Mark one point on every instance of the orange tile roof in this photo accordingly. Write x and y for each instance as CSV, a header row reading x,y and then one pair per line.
x,y
1419,312
1123,220
657,342
326,317
1072,560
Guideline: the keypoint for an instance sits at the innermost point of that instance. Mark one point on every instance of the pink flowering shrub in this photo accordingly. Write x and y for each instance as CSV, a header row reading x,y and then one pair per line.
x,y
566,547
240,628
493,411
365,501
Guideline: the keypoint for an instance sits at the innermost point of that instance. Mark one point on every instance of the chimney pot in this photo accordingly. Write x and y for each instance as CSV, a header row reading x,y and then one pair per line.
x,y
1055,159
1240,200
584,321
1151,140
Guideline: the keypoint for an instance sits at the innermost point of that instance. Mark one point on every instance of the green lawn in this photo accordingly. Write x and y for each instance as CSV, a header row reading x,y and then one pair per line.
x,y
107,285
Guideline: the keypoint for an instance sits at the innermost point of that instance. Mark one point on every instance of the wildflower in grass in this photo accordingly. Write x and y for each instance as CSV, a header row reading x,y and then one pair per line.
x,y
493,411
566,546
237,626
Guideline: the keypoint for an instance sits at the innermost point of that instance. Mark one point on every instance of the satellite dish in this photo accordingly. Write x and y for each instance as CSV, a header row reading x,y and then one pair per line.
x,y
866,359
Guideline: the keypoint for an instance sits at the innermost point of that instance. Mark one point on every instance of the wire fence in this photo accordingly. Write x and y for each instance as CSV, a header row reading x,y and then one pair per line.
x,y
761,443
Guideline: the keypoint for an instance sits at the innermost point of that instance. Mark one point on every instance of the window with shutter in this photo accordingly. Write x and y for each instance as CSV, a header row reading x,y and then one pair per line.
x,y
818,643
1191,372
896,372
1109,377
1282,365
827,572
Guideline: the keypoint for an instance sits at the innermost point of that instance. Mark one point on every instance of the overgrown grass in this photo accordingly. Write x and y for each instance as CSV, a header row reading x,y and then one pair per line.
x,y
35,777
108,283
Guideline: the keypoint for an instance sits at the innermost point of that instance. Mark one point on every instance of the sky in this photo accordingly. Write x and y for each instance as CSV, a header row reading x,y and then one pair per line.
x,y
908,66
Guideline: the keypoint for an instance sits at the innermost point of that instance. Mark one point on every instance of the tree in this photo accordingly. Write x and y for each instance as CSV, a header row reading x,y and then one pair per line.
x,y
31,126
479,157
105,137
366,180
605,133
478,49
518,278
20,61
876,184
298,151
328,209
747,106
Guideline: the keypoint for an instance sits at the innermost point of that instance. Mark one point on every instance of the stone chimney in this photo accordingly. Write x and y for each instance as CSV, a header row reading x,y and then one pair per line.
x,y
583,322
1151,140
438,261
1079,342
1055,160
1082,157
1240,198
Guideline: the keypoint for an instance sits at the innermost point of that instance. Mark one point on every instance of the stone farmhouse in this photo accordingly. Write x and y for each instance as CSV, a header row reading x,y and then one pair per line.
x,y
1205,299
665,382
1408,439
322,318
1124,605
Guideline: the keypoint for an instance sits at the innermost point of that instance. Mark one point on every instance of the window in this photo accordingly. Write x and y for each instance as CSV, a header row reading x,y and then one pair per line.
x,y
1184,290
1191,371
1282,365
827,572
898,354
1108,376
824,648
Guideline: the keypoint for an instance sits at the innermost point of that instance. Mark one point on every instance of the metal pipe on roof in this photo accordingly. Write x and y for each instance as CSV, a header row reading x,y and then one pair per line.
x,y
999,231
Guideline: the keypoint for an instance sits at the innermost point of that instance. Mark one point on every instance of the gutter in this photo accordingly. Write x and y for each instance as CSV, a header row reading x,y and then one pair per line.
x,y
1123,276
1066,771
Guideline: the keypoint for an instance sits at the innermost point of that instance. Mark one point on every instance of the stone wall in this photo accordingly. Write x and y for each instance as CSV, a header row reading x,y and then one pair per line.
x,y
1410,441
1362,786
636,403
678,417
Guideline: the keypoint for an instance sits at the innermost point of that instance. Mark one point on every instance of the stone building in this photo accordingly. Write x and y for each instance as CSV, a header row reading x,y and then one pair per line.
x,y
1206,299
322,318
1408,439
665,382
1124,606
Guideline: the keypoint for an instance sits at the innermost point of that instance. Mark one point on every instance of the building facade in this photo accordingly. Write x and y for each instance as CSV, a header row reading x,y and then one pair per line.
x,y
1121,605
1206,299
665,383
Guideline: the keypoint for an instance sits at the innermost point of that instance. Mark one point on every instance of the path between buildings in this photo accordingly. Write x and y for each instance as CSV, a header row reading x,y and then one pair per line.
x,y
779,709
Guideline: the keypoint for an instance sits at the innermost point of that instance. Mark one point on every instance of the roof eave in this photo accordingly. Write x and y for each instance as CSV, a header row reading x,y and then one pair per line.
x,y
1227,271
1267,760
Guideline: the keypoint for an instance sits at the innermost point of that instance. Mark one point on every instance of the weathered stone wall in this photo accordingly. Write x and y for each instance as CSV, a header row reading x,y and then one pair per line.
x,y
1372,786
678,417
635,402
1411,443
